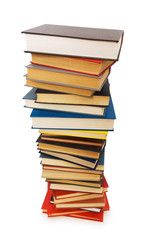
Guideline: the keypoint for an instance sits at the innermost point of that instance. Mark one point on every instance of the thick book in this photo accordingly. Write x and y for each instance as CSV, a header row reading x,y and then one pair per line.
x,y
82,65
63,120
74,41
66,78
31,97
99,98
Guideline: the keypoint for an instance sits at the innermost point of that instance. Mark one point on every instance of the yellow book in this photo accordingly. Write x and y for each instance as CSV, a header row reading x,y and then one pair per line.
x,y
76,133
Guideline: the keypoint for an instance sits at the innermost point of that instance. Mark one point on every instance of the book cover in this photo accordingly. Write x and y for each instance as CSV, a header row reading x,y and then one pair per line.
x,y
75,41
110,35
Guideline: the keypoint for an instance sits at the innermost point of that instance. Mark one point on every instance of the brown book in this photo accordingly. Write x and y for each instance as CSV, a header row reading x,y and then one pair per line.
x,y
59,88
74,41
73,140
83,65
66,78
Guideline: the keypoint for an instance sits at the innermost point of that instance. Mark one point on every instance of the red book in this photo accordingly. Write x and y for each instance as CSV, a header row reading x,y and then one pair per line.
x,y
89,216
107,207
104,184
51,210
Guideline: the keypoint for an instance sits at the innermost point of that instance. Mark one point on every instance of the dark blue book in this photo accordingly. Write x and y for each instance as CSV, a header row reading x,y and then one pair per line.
x,y
65,120
89,163
52,160
101,159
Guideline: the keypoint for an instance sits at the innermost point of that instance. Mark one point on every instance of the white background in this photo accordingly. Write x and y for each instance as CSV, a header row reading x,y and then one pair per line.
x,y
132,153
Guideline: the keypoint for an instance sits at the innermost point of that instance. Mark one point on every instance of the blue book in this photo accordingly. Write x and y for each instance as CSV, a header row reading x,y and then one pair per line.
x,y
62,162
89,163
31,95
65,120
101,159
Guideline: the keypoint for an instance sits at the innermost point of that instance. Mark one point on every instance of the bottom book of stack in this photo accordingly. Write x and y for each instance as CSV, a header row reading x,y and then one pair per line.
x,y
84,205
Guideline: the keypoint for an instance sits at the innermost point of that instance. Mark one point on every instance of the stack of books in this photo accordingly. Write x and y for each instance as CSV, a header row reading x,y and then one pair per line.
x,y
73,110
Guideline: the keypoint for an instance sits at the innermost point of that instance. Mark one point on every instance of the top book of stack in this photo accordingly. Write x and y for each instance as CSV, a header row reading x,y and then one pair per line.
x,y
78,42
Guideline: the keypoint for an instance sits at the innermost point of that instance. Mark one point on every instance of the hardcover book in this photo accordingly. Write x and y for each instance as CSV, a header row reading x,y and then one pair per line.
x,y
59,88
63,120
31,102
74,41
100,98
66,78
82,65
